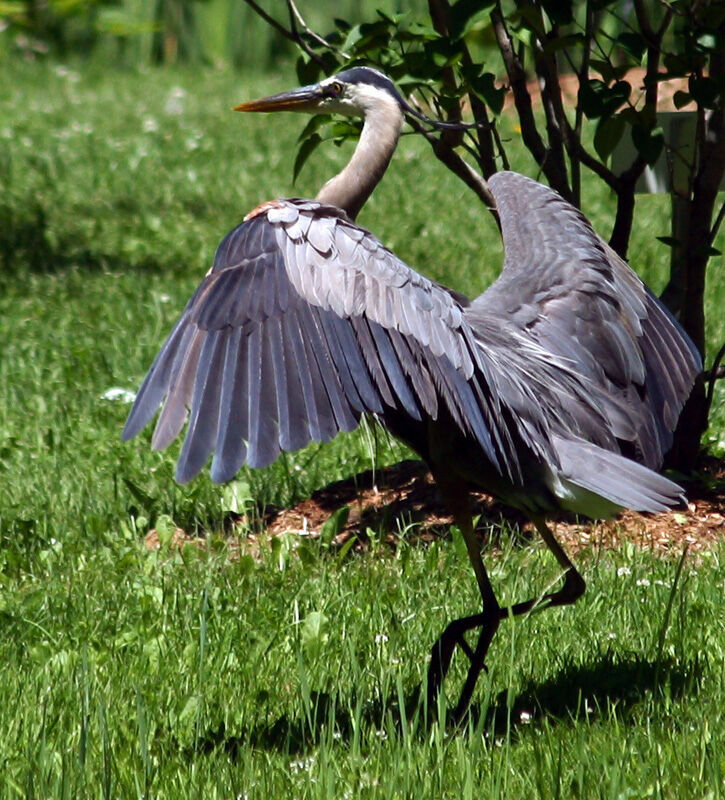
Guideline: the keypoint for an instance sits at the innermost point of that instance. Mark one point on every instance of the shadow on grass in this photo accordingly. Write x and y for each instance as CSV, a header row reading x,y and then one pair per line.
x,y
575,693
27,244
579,692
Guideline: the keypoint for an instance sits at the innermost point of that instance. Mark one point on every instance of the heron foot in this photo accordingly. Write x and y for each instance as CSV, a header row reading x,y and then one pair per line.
x,y
442,656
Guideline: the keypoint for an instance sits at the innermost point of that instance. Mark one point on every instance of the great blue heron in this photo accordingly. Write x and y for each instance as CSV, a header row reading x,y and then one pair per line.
x,y
559,387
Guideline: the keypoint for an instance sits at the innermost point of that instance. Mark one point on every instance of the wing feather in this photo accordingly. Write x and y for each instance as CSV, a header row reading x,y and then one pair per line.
x,y
563,289
231,450
281,345
202,429
173,415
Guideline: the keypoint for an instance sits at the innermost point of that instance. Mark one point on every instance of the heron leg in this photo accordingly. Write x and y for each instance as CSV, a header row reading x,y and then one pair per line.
x,y
489,620
458,501
572,588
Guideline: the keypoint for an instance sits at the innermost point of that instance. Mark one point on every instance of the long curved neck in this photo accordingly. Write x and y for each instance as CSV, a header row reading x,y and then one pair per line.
x,y
351,188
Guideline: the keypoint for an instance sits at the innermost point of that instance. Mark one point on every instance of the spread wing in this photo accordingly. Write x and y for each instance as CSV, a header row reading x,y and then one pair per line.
x,y
565,290
304,323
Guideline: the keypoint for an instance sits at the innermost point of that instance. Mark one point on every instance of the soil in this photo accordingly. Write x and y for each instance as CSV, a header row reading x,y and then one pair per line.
x,y
402,500
635,77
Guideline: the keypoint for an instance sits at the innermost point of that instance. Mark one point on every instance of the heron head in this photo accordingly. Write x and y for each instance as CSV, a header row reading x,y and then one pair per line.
x,y
354,92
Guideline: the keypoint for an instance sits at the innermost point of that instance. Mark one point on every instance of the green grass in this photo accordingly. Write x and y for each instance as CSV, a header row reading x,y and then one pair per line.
x,y
129,673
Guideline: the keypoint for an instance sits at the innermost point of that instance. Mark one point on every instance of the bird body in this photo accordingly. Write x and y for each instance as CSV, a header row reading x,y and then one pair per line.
x,y
558,387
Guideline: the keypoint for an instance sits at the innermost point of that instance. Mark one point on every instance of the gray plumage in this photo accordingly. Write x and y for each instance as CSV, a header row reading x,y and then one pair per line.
x,y
558,387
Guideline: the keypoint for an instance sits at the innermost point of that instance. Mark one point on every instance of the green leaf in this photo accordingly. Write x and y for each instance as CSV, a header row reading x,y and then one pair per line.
x,y
670,241
609,71
343,129
144,500
314,125
466,14
559,11
649,142
308,70
607,135
165,528
190,711
304,152
442,52
484,87
681,99
345,549
599,100
633,43
372,35
418,67
334,524
353,37
707,41
313,634
572,40
237,497
705,91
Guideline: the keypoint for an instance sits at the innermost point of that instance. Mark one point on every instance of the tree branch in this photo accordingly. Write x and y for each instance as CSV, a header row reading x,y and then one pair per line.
x,y
446,155
556,121
517,82
440,11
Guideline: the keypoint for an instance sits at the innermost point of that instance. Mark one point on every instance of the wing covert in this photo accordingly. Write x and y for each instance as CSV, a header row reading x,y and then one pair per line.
x,y
564,289
304,323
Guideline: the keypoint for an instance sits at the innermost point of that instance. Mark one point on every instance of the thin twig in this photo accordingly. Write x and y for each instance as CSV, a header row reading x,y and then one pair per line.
x,y
271,21
297,19
713,374
718,221
293,36
484,154
582,74
548,73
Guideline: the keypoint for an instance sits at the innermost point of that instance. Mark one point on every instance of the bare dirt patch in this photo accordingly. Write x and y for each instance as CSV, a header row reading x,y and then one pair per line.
x,y
402,500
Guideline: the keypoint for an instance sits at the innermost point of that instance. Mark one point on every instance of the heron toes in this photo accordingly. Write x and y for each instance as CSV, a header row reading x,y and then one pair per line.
x,y
442,656
573,588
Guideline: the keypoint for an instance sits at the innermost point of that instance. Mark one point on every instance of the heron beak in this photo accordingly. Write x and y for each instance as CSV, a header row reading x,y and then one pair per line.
x,y
306,98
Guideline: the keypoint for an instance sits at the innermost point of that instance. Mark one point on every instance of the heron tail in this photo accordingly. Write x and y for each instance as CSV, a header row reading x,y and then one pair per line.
x,y
611,476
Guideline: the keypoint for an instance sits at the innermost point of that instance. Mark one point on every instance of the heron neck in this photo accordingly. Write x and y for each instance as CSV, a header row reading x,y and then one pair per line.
x,y
351,188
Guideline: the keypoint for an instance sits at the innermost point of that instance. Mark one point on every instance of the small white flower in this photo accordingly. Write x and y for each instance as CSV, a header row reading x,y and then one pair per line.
x,y
525,717
117,393
149,125
380,638
175,102
643,582
624,571
611,636
302,765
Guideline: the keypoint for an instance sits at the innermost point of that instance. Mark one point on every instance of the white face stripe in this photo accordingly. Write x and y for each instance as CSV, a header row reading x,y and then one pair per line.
x,y
356,99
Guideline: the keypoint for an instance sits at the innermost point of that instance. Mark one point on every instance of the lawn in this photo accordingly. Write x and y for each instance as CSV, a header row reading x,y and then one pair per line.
x,y
290,670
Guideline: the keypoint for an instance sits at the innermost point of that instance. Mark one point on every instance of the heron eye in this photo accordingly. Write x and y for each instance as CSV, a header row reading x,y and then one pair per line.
x,y
334,89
